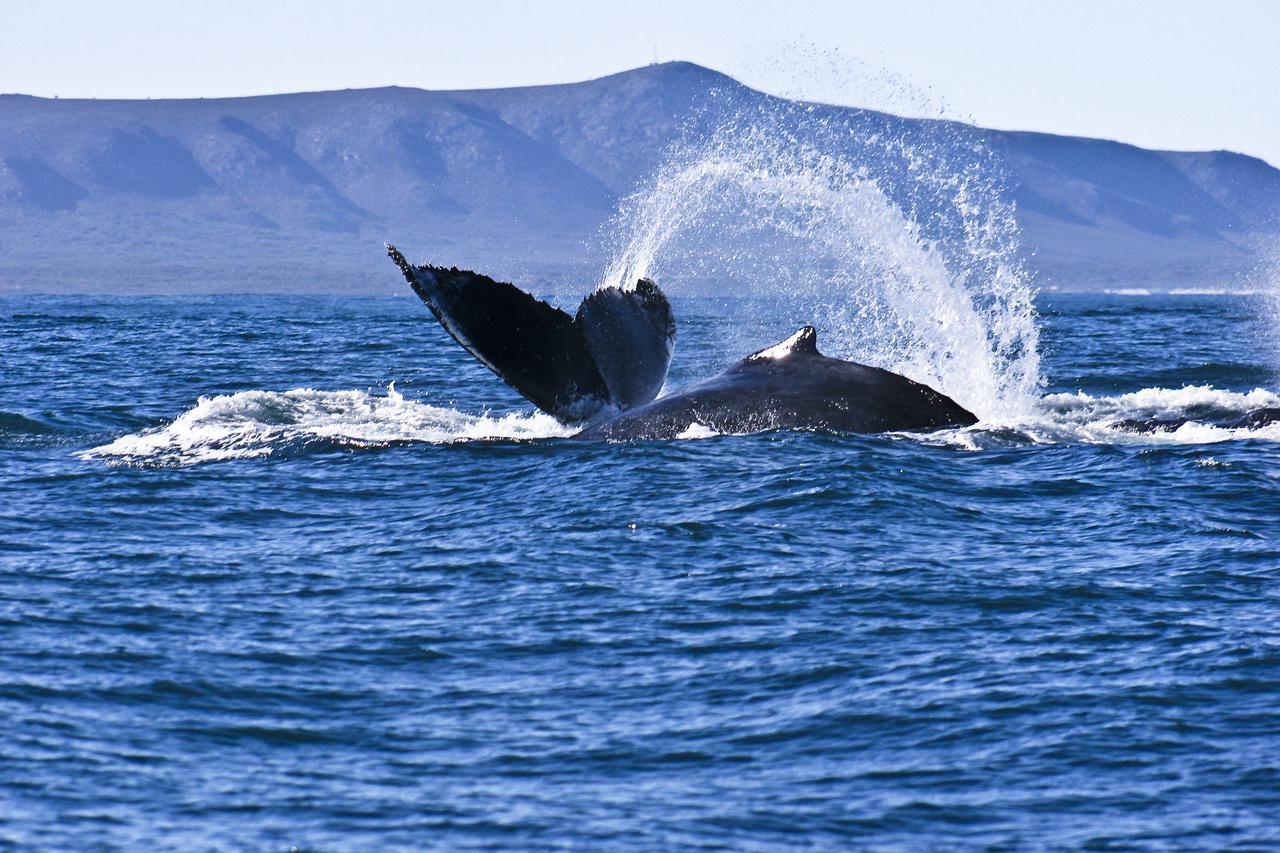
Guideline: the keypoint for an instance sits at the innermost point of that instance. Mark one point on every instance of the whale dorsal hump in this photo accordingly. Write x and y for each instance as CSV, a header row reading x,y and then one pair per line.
x,y
803,342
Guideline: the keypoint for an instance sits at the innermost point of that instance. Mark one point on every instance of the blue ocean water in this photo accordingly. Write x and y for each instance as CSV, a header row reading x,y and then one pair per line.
x,y
252,596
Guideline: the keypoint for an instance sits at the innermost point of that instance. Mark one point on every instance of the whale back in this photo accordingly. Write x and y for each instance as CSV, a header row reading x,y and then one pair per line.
x,y
790,385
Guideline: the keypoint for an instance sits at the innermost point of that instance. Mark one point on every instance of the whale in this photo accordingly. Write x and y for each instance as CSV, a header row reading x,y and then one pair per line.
x,y
789,386
613,353
604,366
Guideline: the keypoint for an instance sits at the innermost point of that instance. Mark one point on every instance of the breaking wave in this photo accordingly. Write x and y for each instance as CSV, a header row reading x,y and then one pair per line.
x,y
253,424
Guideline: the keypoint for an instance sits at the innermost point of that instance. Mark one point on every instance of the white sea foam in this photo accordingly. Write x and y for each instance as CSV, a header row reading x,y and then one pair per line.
x,y
1161,293
1212,291
259,423
1080,418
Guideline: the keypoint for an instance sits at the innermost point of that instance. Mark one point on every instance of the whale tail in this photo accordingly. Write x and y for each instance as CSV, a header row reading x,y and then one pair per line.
x,y
614,351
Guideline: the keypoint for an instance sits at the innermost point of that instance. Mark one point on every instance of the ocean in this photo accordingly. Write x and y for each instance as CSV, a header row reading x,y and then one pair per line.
x,y
283,572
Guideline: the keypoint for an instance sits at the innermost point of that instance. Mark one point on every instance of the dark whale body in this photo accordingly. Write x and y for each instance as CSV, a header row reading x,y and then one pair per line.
x,y
790,386
1255,419
614,353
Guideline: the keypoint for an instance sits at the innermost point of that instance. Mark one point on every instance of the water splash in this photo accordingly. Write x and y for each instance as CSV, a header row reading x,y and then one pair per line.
x,y
1268,289
891,237
806,71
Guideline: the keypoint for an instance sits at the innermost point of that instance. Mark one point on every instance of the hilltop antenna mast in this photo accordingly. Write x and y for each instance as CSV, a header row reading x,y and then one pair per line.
x,y
655,54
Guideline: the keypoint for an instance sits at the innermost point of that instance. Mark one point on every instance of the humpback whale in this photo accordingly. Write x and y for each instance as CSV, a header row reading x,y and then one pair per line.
x,y
614,353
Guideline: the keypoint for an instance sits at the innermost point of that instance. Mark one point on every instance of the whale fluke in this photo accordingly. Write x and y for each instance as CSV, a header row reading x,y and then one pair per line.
x,y
615,351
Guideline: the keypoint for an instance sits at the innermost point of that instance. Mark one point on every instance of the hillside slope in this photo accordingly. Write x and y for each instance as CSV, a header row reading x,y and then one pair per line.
x,y
297,192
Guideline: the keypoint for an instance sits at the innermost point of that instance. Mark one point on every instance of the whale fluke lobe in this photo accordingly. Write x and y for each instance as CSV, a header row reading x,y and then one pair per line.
x,y
631,335
405,267
615,351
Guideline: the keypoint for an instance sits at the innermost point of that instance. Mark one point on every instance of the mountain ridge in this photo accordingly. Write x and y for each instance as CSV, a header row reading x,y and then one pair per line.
x,y
297,191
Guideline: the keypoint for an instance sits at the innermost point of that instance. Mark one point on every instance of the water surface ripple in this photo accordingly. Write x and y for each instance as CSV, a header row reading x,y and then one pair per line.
x,y
310,610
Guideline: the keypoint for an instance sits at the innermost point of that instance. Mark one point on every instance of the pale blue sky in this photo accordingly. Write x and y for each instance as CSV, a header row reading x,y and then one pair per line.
x,y
1164,74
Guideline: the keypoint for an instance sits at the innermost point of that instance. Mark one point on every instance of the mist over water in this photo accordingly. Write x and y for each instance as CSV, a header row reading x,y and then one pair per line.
x,y
899,247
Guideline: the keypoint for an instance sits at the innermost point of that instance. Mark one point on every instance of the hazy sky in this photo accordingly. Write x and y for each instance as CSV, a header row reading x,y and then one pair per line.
x,y
1163,74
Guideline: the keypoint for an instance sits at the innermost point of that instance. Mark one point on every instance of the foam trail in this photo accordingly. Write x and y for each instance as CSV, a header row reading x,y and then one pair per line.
x,y
260,423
